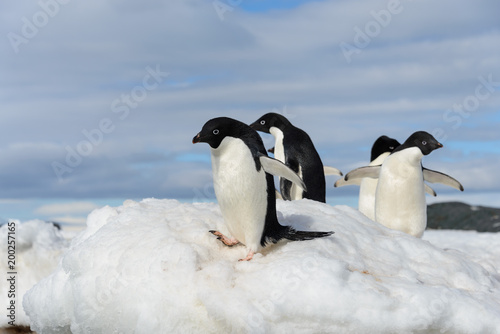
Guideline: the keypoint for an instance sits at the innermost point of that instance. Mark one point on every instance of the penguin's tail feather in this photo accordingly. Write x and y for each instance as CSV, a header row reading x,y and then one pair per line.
x,y
295,235
289,233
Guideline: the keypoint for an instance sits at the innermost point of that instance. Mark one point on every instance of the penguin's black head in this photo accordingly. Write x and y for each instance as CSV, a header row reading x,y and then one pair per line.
x,y
266,122
382,145
215,130
423,140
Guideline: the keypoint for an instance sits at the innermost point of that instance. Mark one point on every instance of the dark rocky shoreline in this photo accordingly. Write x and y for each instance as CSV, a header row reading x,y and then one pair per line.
x,y
461,216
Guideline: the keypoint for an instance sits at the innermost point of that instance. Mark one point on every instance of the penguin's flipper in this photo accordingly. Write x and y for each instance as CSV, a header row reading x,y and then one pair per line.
x,y
332,171
277,168
286,189
362,172
429,190
342,182
433,176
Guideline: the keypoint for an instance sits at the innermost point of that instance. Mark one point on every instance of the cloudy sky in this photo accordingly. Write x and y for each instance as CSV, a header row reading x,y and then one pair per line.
x,y
100,99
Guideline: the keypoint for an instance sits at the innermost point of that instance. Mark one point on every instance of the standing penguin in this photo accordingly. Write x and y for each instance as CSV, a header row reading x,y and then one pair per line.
x,y
295,149
400,195
381,149
244,186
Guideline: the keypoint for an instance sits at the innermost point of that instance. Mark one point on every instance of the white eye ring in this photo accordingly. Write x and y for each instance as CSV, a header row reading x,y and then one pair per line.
x,y
216,132
424,143
262,122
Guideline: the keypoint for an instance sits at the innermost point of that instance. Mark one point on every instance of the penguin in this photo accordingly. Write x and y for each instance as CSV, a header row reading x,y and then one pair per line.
x,y
295,149
381,148
244,186
400,194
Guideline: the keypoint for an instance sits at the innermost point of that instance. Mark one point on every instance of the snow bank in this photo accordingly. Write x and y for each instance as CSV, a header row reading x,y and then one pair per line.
x,y
152,267
38,248
482,248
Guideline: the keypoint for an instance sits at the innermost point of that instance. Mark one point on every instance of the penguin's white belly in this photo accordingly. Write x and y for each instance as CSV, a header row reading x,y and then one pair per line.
x,y
367,189
296,192
366,203
400,196
241,191
279,148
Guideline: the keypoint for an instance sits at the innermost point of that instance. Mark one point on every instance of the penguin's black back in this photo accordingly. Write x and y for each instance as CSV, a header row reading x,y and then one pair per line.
x,y
300,152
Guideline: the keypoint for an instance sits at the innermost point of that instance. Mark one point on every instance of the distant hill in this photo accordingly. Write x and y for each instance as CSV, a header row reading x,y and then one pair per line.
x,y
461,216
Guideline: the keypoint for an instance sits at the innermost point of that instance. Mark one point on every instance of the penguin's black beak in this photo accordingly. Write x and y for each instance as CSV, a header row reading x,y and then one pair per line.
x,y
257,127
197,138
437,145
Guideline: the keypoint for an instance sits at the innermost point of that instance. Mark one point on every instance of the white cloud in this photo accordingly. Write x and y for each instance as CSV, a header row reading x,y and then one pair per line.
x,y
66,78
11,201
72,220
66,208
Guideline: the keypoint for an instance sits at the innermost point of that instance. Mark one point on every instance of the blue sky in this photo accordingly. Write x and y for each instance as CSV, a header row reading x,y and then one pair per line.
x,y
100,100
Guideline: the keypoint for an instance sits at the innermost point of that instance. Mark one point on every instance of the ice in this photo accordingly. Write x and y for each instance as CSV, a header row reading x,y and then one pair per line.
x,y
39,246
153,267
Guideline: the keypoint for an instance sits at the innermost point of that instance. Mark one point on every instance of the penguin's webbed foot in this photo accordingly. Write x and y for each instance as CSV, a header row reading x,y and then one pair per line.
x,y
249,257
225,240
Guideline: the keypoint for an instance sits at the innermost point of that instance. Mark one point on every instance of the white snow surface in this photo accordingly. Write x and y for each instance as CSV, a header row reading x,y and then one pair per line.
x,y
153,267
39,246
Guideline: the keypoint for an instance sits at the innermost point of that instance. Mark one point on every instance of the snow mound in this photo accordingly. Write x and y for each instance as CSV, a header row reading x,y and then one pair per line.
x,y
39,245
152,267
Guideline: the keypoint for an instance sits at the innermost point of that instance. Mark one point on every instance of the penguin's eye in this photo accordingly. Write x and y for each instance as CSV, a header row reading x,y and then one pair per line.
x,y
262,122
391,147
216,132
424,142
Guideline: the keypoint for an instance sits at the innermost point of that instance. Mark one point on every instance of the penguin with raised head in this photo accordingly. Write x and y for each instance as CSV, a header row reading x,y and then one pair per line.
x,y
244,186
400,196
295,149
